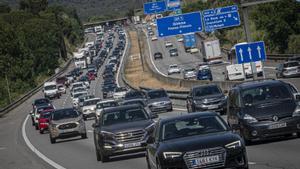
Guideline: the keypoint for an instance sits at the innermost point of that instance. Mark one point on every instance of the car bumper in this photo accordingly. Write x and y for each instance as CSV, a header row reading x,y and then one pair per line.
x,y
216,107
157,108
291,74
89,114
265,130
73,132
118,150
43,126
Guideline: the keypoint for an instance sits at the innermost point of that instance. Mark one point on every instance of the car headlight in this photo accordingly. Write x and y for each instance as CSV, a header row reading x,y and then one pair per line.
x,y
198,101
150,127
107,135
297,110
249,119
172,154
234,145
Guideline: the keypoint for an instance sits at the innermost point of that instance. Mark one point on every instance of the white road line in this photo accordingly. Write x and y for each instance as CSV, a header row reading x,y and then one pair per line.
x,y
121,63
151,58
251,163
36,151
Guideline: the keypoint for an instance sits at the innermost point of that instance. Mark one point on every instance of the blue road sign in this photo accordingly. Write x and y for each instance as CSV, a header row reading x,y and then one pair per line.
x,y
250,52
179,24
220,18
154,7
173,5
189,40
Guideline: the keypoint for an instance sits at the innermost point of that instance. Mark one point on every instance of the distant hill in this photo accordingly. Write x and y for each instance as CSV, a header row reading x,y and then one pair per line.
x,y
88,8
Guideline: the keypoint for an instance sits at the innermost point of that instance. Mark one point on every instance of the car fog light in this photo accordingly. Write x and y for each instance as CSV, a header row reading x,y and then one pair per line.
x,y
107,147
120,145
254,133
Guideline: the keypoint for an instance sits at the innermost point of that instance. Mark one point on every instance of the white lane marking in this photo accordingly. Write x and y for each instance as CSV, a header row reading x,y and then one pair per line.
x,y
2,148
121,63
90,131
179,109
251,163
151,58
36,151
65,101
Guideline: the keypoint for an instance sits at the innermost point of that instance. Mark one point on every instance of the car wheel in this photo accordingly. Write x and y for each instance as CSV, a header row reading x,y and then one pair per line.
x,y
84,118
147,160
36,126
32,121
83,136
98,155
104,158
41,131
52,140
171,109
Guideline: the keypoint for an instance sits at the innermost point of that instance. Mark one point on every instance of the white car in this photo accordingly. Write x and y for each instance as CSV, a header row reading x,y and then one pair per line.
x,y
154,38
194,50
76,96
168,44
76,85
61,88
119,93
173,69
50,90
180,40
89,108
104,104
77,90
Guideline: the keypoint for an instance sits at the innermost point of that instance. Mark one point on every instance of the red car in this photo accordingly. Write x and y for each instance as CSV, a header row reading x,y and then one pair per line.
x,y
44,120
91,76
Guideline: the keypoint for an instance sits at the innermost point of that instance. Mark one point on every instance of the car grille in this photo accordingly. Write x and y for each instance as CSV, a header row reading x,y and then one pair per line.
x,y
132,136
213,102
189,157
67,126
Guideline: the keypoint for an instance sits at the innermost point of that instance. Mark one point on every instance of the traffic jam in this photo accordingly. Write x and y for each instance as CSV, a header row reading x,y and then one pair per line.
x,y
213,132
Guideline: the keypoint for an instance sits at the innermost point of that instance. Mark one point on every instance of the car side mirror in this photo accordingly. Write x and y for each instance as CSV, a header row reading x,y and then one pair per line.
x,y
297,96
95,125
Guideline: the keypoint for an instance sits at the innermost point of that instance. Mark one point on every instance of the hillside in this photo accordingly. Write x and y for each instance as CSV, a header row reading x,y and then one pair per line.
x,y
88,8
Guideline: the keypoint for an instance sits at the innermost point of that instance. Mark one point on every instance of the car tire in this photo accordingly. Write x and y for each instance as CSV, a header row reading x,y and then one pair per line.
x,y
83,136
98,156
41,131
36,126
32,121
171,109
104,158
52,140
84,118
298,134
158,166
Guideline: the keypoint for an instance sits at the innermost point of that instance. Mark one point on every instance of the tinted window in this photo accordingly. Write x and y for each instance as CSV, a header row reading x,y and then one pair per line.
x,y
106,105
78,95
205,91
64,114
133,94
124,116
45,114
157,94
265,93
41,101
192,126
51,87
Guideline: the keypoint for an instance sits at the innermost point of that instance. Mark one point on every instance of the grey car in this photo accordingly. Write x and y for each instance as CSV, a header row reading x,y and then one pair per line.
x,y
288,69
66,123
158,100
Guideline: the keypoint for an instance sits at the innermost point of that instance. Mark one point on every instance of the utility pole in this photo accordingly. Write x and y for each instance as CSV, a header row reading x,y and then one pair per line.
x,y
245,10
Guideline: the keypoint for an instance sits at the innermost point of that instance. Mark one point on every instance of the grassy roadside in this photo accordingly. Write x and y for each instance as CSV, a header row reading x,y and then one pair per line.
x,y
134,71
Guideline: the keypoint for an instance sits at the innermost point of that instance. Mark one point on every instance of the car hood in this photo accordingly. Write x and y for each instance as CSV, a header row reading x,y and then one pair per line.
x,y
130,126
193,143
162,99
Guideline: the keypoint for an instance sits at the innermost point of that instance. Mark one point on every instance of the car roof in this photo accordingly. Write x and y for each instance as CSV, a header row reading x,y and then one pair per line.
x,y
253,84
187,116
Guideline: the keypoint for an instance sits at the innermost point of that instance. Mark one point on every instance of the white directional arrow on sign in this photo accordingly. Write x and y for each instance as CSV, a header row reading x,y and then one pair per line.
x,y
250,54
259,53
241,53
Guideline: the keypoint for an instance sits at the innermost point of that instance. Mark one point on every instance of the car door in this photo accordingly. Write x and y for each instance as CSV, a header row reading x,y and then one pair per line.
x,y
152,148
233,109
189,101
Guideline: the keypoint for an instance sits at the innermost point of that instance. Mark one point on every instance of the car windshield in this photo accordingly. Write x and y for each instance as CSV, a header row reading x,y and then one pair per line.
x,y
121,89
266,93
207,90
76,95
157,94
173,50
91,102
107,104
64,114
77,85
124,116
41,101
189,69
50,87
41,109
45,114
134,94
191,127
139,102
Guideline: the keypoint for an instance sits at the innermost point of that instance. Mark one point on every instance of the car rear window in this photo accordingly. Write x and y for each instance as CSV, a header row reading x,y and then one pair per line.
x,y
64,114
157,94
207,90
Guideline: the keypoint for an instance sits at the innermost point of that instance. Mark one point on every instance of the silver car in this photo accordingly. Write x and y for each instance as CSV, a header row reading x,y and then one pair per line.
x,y
288,69
66,123
89,108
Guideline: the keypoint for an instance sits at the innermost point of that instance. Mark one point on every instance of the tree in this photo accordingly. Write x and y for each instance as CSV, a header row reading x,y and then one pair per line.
x,y
4,8
33,6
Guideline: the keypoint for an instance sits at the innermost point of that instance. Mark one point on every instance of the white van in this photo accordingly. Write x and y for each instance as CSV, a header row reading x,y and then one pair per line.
x,y
235,72
248,69
51,90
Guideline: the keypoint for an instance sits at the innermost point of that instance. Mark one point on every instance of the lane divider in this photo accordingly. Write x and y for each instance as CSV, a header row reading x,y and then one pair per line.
x,y
121,62
36,151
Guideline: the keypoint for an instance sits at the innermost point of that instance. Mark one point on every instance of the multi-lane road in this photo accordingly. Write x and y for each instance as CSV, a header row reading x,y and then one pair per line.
x,y
22,147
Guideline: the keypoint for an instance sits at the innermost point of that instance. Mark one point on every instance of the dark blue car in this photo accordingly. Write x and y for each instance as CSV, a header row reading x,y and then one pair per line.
x,y
204,74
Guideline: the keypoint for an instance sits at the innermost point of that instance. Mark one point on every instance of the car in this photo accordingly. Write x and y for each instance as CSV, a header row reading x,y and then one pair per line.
x,y
264,109
104,104
61,89
158,100
288,69
85,80
40,101
66,123
119,93
77,85
43,121
204,73
150,33
88,108
108,88
168,44
295,58
122,130
78,90
194,50
157,55
206,98
200,140
173,69
76,97
50,90
154,38
83,98
189,73
173,52
91,76
62,80
35,114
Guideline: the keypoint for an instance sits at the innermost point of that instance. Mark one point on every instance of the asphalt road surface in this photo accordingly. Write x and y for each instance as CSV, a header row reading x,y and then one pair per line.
x,y
79,153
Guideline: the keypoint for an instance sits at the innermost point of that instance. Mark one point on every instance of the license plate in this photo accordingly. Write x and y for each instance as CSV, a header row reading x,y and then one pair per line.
x,y
212,107
130,145
206,160
277,126
68,130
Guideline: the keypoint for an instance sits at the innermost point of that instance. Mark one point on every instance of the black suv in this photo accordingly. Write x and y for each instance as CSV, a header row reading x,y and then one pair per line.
x,y
198,140
122,130
158,55
206,98
264,109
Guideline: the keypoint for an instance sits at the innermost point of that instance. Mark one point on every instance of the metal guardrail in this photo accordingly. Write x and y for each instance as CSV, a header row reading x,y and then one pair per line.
x,y
22,99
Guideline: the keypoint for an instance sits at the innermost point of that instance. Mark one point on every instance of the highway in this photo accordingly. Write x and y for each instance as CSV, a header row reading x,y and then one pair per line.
x,y
80,153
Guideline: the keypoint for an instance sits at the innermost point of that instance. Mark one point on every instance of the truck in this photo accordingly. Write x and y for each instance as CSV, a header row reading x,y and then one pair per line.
x,y
234,72
211,50
189,42
50,90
